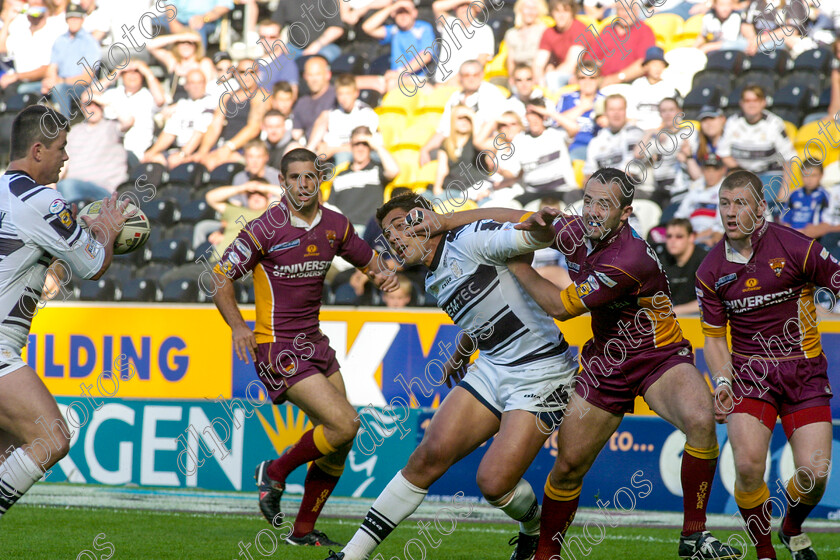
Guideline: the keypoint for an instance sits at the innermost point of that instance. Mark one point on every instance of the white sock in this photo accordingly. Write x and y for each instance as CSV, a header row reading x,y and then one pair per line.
x,y
396,502
521,504
17,475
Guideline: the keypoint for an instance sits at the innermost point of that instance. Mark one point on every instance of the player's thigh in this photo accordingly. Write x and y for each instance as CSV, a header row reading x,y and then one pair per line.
x,y
750,440
811,446
459,426
513,450
27,408
582,434
682,397
324,402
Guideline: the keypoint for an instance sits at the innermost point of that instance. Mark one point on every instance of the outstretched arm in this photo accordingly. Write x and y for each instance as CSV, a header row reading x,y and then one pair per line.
x,y
546,294
432,223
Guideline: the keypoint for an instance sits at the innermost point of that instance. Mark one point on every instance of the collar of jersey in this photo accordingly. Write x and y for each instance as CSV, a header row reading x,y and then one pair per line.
x,y
301,223
734,256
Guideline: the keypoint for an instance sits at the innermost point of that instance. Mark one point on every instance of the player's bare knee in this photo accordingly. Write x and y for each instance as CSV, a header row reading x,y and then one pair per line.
x,y
494,485
430,458
566,475
750,473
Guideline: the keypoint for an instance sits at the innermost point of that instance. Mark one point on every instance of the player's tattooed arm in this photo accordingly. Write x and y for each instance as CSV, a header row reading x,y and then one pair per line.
x,y
244,341
546,294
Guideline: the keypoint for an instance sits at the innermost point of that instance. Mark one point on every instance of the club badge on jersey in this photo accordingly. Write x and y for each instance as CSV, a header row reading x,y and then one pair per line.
x,y
59,208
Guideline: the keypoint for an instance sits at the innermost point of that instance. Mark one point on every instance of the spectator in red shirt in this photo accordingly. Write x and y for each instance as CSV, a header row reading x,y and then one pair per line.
x,y
626,40
554,65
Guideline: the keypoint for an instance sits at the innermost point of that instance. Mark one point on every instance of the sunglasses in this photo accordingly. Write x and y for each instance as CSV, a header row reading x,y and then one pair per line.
x,y
501,124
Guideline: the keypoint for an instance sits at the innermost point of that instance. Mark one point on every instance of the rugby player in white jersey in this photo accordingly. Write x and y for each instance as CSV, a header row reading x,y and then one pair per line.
x,y
37,227
524,370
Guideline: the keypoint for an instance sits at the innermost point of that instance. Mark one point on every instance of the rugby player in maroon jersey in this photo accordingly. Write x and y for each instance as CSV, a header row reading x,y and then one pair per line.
x,y
289,249
760,281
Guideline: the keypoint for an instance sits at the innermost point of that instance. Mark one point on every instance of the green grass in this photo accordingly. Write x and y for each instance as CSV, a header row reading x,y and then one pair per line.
x,y
35,533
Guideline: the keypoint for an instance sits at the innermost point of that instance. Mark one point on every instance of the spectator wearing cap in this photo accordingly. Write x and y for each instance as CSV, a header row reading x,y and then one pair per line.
x,y
310,31
358,185
650,89
133,103
331,132
558,53
696,147
98,161
701,204
66,76
28,38
681,260
407,32
201,16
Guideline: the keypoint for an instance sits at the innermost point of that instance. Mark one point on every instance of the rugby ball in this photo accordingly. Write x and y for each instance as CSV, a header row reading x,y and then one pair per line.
x,y
135,231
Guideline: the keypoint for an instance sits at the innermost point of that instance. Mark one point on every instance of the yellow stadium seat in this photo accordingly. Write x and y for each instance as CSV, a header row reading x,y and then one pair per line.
x,y
409,162
427,174
790,128
504,90
691,28
397,102
586,20
428,119
413,137
811,131
436,98
391,124
577,165
548,21
666,28
497,66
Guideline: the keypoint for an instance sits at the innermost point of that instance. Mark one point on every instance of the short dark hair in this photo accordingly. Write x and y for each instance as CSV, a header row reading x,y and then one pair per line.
x,y
680,222
255,143
273,113
400,191
298,154
360,130
282,86
610,176
346,80
742,178
27,129
812,164
405,202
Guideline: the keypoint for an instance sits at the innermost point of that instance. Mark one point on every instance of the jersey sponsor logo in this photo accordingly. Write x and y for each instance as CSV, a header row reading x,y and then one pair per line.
x,y
92,248
609,283
724,280
234,258
698,292
284,246
462,297
302,270
456,270
57,206
331,235
66,218
777,265
587,287
750,303
751,285
311,251
573,266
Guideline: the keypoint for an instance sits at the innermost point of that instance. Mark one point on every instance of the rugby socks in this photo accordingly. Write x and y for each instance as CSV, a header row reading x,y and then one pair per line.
x,y
696,475
320,482
755,509
396,502
796,513
311,445
558,512
521,504
17,475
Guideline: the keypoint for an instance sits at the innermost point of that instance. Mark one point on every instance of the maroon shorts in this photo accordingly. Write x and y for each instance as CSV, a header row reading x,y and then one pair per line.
x,y
283,363
614,386
785,387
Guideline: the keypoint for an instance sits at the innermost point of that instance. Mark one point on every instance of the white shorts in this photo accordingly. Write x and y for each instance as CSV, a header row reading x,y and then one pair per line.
x,y
540,388
10,359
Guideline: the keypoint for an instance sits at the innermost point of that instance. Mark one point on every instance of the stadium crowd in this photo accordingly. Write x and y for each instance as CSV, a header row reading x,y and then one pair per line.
x,y
468,103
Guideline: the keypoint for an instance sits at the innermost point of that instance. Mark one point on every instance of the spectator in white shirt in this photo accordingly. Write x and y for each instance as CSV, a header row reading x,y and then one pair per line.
x,y
331,132
649,90
722,29
462,40
615,144
28,38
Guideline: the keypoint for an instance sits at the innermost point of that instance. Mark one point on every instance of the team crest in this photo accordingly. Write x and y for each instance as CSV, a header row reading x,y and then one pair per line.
x,y
777,265
456,270
331,237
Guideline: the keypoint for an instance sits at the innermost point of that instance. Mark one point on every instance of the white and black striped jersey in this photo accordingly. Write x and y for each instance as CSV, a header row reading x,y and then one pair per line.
x,y
474,287
35,226
759,147
612,149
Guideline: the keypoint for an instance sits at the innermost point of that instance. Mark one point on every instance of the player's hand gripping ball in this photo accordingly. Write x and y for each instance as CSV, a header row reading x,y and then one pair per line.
x,y
135,231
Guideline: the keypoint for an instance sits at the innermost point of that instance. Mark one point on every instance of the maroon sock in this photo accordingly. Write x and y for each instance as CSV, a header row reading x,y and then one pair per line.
x,y
317,488
300,453
696,476
796,514
757,520
555,519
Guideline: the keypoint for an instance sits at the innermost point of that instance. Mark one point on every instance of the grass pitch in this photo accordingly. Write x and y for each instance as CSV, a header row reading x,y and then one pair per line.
x,y
35,532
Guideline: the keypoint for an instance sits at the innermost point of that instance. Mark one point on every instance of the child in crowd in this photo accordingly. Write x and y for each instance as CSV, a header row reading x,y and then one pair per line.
x,y
400,297
807,205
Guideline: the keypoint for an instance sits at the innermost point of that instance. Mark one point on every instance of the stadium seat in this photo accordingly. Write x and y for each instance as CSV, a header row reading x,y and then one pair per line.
x,y
17,101
196,211
577,165
814,60
814,117
775,61
811,80
435,99
700,96
347,63
205,249
496,67
169,251
648,213
722,81
825,99
162,211
794,97
6,133
500,23
187,174
139,289
183,291
766,80
120,272
691,28
181,232
790,130
223,174
390,127
370,96
427,174
181,194
153,173
409,161
428,120
792,116
377,67
413,137
666,28
152,270
104,289
725,61
241,292
396,101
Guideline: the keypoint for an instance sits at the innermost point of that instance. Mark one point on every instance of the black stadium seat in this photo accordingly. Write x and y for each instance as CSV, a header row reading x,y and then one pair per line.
x,y
730,62
119,272
793,116
371,97
703,95
184,291
104,289
182,232
815,60
152,271
168,251
187,174
205,249
766,80
776,61
155,174
805,79
223,174
346,63
162,211
179,193
378,66
713,78
140,289
794,97
18,101
6,133
196,211
825,99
